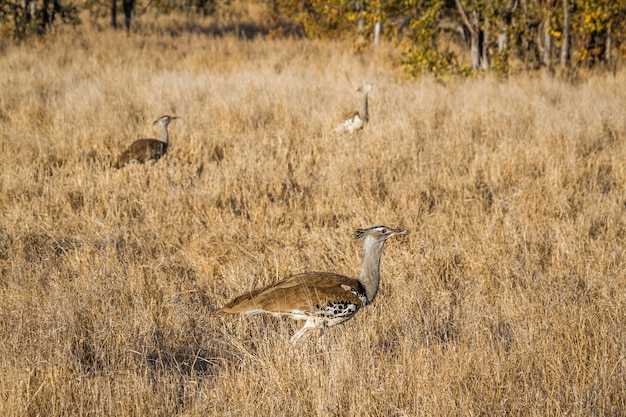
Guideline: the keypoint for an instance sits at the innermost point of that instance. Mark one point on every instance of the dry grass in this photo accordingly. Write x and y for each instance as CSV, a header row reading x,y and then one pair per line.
x,y
508,297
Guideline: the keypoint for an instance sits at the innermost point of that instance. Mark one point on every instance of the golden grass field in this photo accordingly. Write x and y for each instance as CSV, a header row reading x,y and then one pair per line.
x,y
508,297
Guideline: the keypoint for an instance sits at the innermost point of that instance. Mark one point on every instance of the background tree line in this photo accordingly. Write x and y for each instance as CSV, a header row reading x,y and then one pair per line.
x,y
436,36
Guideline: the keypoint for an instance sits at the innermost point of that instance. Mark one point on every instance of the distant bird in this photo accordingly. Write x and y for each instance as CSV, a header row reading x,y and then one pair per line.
x,y
323,299
356,120
146,149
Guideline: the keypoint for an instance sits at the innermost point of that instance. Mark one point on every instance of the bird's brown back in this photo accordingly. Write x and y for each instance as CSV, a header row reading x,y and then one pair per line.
x,y
142,150
350,115
299,292
146,148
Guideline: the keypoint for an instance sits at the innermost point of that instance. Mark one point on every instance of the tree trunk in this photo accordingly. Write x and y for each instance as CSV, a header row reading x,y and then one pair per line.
x,y
30,6
565,42
475,39
502,41
114,14
53,8
546,56
607,48
128,6
377,26
485,45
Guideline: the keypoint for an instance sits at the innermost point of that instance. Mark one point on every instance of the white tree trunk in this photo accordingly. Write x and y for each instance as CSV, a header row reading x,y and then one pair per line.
x,y
502,41
377,32
565,43
475,40
547,41
485,45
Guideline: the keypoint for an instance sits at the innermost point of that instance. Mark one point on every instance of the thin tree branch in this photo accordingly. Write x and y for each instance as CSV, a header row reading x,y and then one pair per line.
x,y
464,18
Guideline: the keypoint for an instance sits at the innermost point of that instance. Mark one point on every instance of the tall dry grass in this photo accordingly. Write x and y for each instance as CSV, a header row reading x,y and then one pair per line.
x,y
508,297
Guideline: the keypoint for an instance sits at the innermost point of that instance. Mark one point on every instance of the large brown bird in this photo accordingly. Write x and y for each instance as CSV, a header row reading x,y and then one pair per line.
x,y
145,149
323,299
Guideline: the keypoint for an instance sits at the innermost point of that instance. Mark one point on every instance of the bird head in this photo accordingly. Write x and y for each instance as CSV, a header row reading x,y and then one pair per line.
x,y
379,232
164,120
365,88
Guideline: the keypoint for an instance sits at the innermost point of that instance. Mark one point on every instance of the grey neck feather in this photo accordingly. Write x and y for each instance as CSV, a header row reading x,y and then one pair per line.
x,y
370,269
164,135
364,110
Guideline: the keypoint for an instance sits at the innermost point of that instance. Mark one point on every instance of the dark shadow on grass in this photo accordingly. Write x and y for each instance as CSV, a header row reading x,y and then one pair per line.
x,y
193,358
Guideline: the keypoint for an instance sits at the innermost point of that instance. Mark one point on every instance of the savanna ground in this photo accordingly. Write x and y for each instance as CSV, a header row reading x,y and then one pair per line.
x,y
508,297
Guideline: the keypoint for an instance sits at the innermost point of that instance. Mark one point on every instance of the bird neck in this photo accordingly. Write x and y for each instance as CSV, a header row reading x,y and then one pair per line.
x,y
370,269
364,110
165,137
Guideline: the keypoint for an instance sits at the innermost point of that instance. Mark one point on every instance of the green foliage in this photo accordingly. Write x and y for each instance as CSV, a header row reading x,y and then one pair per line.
x,y
500,62
506,29
420,61
420,50
594,22
315,18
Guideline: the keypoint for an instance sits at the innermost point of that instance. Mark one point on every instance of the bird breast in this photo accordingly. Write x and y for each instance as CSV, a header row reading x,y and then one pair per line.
x,y
329,314
352,124
337,312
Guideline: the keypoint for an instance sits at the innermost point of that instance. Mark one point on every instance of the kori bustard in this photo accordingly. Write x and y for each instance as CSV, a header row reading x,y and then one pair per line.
x,y
322,299
145,149
357,119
